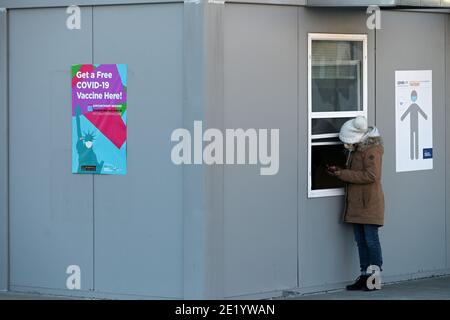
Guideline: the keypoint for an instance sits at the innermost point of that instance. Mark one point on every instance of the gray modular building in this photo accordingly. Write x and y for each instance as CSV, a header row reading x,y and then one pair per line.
x,y
165,231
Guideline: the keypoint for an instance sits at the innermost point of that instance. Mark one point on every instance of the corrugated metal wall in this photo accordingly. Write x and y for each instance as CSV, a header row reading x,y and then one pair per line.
x,y
165,231
260,66
415,237
124,232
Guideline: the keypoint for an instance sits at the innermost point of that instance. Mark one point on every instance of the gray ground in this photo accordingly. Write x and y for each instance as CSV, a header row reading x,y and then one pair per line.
x,y
425,289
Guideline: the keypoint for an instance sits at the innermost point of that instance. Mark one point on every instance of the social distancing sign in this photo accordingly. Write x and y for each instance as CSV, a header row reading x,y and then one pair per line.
x,y
414,120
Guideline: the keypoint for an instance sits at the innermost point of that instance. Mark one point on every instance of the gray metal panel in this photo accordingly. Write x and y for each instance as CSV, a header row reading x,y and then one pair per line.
x,y
447,137
381,3
414,237
138,217
351,3
203,185
278,2
425,3
50,208
193,176
4,223
327,253
20,4
214,175
261,92
65,3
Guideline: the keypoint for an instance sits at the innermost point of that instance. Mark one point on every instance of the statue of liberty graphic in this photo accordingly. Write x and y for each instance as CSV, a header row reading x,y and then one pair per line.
x,y
87,159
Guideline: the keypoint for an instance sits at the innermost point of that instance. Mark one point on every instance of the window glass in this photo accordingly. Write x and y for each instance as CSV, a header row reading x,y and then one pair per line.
x,y
322,156
326,126
337,75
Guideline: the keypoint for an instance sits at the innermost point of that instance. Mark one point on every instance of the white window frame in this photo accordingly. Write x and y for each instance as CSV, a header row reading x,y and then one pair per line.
x,y
335,114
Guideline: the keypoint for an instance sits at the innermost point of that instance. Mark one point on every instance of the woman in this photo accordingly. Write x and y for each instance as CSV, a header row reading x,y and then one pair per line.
x,y
364,203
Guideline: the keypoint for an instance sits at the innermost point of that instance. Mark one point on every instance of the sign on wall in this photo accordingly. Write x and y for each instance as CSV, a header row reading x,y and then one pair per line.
x,y
414,120
99,118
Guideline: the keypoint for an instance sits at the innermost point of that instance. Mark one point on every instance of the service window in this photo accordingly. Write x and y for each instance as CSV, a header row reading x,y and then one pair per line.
x,y
337,92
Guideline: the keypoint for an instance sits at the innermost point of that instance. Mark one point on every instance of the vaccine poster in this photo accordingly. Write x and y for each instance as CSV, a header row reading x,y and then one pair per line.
x,y
414,120
99,119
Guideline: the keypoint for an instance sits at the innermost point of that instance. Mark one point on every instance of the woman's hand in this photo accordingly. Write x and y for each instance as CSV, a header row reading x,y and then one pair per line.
x,y
333,170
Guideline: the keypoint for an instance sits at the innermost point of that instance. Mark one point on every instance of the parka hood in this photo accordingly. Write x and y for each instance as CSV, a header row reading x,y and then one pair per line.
x,y
371,138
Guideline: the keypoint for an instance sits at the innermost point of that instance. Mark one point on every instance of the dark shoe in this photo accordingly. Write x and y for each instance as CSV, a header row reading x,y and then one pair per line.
x,y
367,289
359,284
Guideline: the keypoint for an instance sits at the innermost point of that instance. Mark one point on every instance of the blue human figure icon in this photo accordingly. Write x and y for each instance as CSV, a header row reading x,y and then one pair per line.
x,y
413,111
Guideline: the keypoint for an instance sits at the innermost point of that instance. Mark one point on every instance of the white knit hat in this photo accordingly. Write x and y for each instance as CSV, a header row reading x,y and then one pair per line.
x,y
353,130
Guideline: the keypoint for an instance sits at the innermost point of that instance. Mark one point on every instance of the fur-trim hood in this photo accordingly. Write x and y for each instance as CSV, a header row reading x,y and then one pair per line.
x,y
372,138
369,142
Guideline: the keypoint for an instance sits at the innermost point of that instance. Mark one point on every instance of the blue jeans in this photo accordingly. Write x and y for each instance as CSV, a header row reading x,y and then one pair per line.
x,y
369,248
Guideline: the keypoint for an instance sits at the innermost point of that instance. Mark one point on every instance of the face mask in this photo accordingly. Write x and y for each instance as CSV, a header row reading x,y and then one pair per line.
x,y
88,144
348,146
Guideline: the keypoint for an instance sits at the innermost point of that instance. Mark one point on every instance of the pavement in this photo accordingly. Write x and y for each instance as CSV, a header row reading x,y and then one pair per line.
x,y
437,288
22,296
